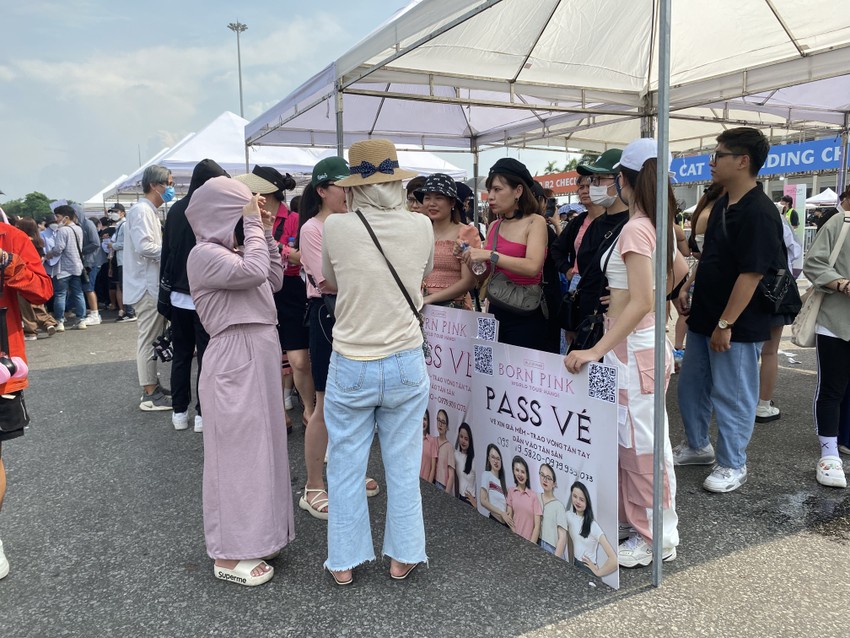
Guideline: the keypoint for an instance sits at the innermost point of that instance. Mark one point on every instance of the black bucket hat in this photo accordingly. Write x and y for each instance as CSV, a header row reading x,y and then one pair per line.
x,y
438,183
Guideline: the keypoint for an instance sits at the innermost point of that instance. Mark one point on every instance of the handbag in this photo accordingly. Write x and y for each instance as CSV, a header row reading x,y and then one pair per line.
x,y
13,412
804,326
507,295
571,315
84,274
590,330
775,284
328,300
426,347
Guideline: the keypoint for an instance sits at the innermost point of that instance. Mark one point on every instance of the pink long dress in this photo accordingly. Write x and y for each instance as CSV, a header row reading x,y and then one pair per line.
x,y
247,495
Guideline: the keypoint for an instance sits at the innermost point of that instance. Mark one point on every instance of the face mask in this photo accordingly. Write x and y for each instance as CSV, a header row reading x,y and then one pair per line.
x,y
599,196
54,226
114,217
168,194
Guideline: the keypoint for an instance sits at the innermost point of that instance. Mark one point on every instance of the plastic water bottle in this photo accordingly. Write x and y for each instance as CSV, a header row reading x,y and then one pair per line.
x,y
291,242
478,267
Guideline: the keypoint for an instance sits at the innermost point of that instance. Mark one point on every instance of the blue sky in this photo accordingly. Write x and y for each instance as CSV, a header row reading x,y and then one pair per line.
x,y
88,87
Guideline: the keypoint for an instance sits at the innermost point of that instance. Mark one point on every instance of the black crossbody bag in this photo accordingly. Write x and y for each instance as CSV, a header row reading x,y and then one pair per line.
x,y
426,348
778,290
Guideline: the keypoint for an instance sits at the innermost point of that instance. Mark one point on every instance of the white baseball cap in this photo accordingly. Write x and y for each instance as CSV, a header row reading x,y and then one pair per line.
x,y
637,152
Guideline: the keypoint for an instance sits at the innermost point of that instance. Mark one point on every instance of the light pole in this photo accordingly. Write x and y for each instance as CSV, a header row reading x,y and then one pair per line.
x,y
237,27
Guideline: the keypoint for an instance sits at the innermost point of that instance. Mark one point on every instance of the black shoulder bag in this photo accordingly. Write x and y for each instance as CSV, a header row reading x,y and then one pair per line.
x,y
778,290
590,330
570,315
426,348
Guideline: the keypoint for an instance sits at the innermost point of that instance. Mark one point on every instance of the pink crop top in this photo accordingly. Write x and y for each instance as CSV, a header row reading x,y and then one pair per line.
x,y
511,249
637,236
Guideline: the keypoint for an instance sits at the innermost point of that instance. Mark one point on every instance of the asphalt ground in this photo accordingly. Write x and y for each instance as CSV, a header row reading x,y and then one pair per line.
x,y
102,527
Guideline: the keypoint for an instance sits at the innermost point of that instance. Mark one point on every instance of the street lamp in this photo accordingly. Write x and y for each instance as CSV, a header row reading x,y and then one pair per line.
x,y
237,27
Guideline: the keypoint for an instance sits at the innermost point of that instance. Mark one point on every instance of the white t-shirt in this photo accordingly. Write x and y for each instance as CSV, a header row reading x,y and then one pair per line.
x,y
491,483
465,482
583,546
554,516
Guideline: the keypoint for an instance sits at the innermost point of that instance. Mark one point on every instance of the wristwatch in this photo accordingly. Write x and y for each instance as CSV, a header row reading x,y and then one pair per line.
x,y
494,257
724,325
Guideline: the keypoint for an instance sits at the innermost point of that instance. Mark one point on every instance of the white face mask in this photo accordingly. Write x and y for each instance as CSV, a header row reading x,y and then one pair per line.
x,y
114,216
599,196
54,226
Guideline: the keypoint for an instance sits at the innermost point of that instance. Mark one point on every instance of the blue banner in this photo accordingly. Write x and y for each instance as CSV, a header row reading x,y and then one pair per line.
x,y
819,155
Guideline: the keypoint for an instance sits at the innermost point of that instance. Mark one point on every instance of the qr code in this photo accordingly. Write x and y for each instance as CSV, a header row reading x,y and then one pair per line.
x,y
484,360
486,329
602,382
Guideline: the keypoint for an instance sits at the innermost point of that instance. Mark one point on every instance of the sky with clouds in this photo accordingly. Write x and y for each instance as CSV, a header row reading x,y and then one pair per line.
x,y
88,88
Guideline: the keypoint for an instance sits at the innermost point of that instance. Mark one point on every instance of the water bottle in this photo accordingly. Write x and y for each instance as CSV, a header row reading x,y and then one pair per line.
x,y
478,267
291,244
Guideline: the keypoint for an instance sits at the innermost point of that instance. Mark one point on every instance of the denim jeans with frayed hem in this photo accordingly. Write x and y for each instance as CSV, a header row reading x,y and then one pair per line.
x,y
392,392
728,384
61,289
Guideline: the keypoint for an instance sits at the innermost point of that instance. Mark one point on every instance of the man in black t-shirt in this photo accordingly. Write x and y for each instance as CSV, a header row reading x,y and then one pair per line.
x,y
728,319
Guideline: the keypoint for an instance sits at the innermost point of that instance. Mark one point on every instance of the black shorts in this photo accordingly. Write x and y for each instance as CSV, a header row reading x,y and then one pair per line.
x,y
321,342
291,303
117,273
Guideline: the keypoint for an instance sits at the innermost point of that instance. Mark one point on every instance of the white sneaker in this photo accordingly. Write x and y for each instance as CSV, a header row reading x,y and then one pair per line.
x,y
830,472
4,564
199,423
60,327
287,403
843,449
725,479
180,420
766,414
636,552
684,454
93,319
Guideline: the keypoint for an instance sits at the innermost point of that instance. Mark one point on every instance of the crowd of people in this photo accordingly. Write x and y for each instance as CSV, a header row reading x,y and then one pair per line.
x,y
321,298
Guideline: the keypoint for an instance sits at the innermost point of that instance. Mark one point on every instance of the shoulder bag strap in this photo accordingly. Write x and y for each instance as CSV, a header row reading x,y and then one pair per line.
x,y
410,303
599,251
833,257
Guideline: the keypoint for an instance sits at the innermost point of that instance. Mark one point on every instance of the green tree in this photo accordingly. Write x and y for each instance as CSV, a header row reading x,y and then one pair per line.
x,y
551,167
35,205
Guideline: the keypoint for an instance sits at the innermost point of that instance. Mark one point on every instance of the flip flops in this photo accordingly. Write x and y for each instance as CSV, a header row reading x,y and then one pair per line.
x,y
406,572
241,574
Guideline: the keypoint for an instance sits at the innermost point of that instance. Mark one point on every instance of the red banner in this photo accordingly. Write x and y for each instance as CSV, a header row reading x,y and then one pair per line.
x,y
560,183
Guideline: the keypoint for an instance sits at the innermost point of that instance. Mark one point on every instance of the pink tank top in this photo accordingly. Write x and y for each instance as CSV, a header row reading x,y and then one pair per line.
x,y
511,249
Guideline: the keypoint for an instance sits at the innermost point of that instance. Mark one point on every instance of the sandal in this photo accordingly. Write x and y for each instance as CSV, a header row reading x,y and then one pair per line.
x,y
372,491
407,572
241,574
316,504
341,583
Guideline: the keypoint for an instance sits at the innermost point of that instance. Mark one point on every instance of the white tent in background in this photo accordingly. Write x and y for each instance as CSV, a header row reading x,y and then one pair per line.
x,y
99,202
223,140
422,162
827,198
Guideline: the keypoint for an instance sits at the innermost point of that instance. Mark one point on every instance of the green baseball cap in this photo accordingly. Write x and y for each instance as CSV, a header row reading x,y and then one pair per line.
x,y
330,169
602,165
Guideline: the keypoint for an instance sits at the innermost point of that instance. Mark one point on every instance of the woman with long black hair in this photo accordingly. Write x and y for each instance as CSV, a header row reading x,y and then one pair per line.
x,y
629,345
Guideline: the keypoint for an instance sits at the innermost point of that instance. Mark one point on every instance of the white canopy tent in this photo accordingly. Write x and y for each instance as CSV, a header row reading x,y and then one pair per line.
x,y
826,198
435,76
99,202
223,140
422,162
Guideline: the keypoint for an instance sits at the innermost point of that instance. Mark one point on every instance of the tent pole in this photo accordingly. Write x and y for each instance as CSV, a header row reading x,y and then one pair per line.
x,y
475,214
662,228
340,146
842,171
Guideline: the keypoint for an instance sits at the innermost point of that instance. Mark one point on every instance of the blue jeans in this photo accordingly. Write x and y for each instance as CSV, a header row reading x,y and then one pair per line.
x,y
728,384
89,287
392,392
60,293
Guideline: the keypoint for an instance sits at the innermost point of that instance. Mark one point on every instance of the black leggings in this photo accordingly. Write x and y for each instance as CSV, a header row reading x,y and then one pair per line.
x,y
833,376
